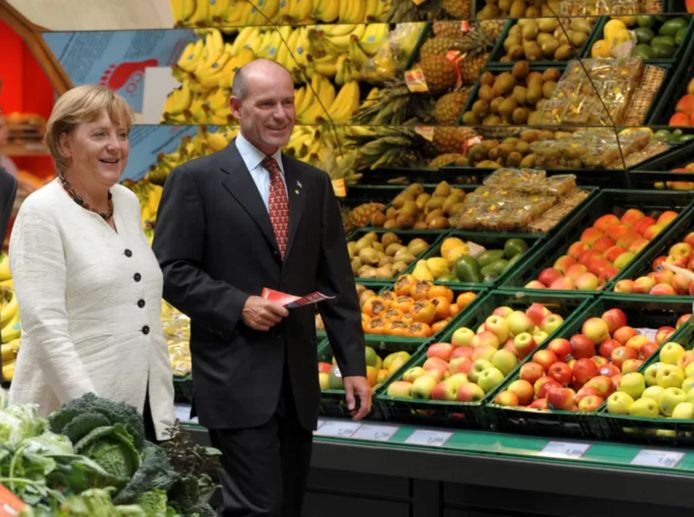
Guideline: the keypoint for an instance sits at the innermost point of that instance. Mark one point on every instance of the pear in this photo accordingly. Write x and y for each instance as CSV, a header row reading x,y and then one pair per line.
x,y
417,246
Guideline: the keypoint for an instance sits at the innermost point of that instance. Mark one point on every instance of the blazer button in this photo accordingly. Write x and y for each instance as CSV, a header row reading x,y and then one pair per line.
x,y
137,277
140,303
145,330
128,253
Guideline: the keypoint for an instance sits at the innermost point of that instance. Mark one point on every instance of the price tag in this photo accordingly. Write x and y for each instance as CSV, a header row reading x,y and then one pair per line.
x,y
319,424
472,141
10,504
465,26
415,80
426,132
428,438
565,449
338,429
649,333
656,458
379,433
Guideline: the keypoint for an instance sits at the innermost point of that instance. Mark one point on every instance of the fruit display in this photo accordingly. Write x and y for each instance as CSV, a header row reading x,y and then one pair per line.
x,y
416,208
575,99
475,361
176,327
644,36
550,39
381,364
10,325
609,244
661,281
511,97
518,200
684,108
457,260
518,9
579,372
360,215
384,255
413,308
662,390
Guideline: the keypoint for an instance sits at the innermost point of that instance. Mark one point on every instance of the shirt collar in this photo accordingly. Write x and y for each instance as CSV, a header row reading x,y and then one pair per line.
x,y
252,156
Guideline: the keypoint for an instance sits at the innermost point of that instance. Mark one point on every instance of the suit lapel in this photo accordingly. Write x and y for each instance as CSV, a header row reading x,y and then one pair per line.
x,y
297,195
238,182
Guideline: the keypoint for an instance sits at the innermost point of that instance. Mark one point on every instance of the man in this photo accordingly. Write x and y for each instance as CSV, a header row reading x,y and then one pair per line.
x,y
222,236
8,190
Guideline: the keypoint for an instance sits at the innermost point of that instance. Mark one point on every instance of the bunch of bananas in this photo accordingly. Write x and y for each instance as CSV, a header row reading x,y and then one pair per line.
x,y
234,13
176,327
10,327
149,195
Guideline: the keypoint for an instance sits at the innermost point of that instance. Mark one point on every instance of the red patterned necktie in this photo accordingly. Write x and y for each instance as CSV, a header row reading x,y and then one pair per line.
x,y
277,205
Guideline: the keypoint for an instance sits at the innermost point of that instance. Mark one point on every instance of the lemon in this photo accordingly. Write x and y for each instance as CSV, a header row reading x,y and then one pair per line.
x,y
622,36
612,28
601,48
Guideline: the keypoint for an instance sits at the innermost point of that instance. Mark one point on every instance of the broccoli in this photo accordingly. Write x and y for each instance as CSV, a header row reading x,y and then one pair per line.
x,y
115,412
155,472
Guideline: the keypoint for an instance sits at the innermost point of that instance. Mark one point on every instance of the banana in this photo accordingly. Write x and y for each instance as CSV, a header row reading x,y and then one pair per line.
x,y
182,9
270,10
340,69
337,29
255,40
178,100
324,95
305,102
284,11
383,7
219,10
5,267
346,102
218,99
326,66
339,44
356,53
8,371
214,49
8,309
299,94
326,11
191,56
9,350
201,14
302,48
342,13
211,77
216,141
12,330
301,10
355,12
374,37
246,15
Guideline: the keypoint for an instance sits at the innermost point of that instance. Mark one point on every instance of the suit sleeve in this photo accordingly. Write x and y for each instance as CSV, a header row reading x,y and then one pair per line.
x,y
179,243
39,272
342,316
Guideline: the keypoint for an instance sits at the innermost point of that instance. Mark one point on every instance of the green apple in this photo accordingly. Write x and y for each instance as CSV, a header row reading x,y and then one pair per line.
x,y
422,386
400,356
645,408
670,399
504,360
683,411
619,403
670,376
462,336
633,384
490,379
371,356
478,367
651,372
671,352
457,379
653,392
413,373
688,384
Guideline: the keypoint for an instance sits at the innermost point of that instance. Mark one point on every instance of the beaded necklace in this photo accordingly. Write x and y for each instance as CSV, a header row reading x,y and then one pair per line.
x,y
81,202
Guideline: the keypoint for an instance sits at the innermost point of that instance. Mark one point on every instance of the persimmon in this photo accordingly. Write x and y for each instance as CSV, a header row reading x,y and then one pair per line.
x,y
374,306
403,303
465,299
392,314
453,309
441,290
403,285
397,328
442,305
424,311
388,297
419,329
420,290
440,325
376,326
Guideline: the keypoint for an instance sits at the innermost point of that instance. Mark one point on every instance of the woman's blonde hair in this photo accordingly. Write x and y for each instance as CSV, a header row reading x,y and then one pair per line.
x,y
83,104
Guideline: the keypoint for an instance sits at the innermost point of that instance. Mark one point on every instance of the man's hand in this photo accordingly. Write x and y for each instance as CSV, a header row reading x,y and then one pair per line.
x,y
261,314
357,389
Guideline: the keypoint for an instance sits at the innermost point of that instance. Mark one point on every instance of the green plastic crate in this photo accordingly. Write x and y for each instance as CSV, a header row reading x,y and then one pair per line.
x,y
470,414
664,431
641,313
643,264
605,202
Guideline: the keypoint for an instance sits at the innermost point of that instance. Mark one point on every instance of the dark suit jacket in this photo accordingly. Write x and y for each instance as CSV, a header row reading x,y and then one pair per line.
x,y
8,190
216,246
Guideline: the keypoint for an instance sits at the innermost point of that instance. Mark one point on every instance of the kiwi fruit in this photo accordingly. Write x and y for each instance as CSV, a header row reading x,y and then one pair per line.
x,y
548,24
520,116
549,48
563,53
487,78
534,93
480,108
517,9
528,161
530,30
507,106
515,52
551,74
514,159
548,88
532,12
520,69
485,92
504,83
494,105
532,50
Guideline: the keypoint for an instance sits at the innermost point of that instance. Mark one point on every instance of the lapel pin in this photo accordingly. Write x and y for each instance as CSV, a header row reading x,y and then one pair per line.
x,y
296,192
298,184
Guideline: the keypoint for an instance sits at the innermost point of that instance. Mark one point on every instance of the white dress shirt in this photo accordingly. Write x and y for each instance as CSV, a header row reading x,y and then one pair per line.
x,y
253,159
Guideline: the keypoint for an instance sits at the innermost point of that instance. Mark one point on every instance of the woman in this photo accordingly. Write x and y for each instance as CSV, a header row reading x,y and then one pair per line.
x,y
88,285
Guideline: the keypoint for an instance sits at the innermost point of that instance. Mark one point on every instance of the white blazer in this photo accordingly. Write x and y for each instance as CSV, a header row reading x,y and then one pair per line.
x,y
90,306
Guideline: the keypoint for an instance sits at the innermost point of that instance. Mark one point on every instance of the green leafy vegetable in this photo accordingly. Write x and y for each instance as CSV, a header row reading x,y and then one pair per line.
x,y
112,448
155,472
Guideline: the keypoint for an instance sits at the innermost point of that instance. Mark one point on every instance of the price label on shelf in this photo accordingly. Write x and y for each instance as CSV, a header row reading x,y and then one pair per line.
x,y
428,438
656,458
565,449
378,433
319,424
338,429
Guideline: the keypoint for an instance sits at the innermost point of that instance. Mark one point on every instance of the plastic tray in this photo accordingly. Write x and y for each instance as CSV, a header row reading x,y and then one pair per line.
x,y
431,237
470,414
665,431
332,402
606,201
499,51
490,241
643,264
645,312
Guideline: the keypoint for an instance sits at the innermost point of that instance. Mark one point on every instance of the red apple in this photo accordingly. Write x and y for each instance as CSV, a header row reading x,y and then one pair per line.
x,y
590,235
624,286
595,329
590,403
613,252
324,367
564,284
643,285
582,346
523,390
435,364
605,221
545,358
663,334
459,365
444,391
440,350
523,344
576,270
680,283
607,346
560,398
539,404
663,290
536,312
498,326
577,249
584,370
621,354
531,372
561,348
637,342
462,351
602,383
560,372
551,322
647,350
485,338
682,320
586,391
609,370
549,275
615,318
506,398
624,334
543,384
631,365
602,244
563,263
587,282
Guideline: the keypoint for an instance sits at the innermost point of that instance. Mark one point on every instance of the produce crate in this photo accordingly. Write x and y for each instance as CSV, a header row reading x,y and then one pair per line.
x,y
499,50
489,241
432,237
642,265
374,286
678,155
470,414
332,403
664,431
641,313
677,87
606,201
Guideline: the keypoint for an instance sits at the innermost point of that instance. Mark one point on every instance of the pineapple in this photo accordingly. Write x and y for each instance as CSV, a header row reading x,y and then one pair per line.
x,y
439,46
440,73
395,105
459,9
447,29
449,107
451,139
359,216
471,67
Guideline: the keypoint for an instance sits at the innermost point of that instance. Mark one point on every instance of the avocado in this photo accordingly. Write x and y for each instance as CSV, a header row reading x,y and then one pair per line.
x,y
513,247
645,21
663,40
643,51
670,27
467,270
486,257
494,268
680,35
644,34
663,50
